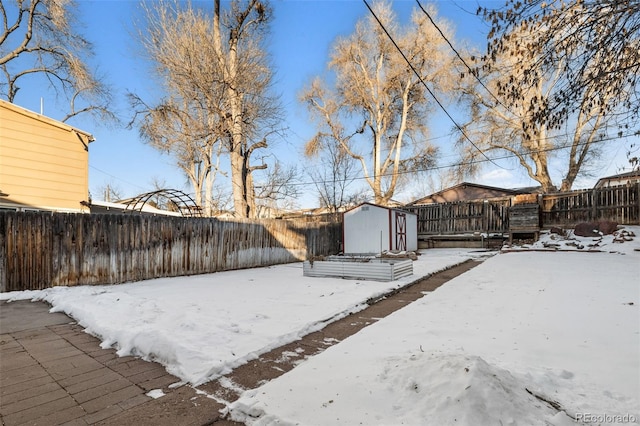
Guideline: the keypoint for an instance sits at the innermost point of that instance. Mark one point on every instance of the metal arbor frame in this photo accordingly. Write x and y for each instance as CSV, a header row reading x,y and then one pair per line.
x,y
187,207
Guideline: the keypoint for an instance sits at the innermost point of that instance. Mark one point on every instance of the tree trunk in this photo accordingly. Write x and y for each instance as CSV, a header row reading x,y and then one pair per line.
x,y
377,171
542,174
572,174
243,194
240,204
208,195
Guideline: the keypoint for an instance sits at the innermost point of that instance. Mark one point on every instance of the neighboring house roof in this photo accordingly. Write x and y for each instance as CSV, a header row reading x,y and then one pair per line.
x,y
224,214
529,190
619,179
467,191
121,208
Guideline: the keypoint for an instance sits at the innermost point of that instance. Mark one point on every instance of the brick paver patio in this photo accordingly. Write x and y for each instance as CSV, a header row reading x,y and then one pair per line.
x,y
52,372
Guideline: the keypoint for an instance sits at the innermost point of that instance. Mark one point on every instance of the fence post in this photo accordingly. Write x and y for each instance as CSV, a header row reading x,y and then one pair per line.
x,y
540,208
485,216
3,253
637,221
594,205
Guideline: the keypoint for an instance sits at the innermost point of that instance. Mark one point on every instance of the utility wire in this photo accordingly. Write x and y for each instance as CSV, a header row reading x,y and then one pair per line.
x,y
116,177
448,166
427,88
471,71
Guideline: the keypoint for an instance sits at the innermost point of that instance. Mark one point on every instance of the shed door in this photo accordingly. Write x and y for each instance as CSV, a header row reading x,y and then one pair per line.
x,y
401,231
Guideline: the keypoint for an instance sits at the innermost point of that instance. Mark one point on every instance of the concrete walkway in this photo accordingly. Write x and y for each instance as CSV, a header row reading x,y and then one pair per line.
x,y
52,372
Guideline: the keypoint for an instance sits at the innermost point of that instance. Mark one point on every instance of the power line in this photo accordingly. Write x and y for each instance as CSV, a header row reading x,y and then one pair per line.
x,y
116,177
448,166
427,87
471,71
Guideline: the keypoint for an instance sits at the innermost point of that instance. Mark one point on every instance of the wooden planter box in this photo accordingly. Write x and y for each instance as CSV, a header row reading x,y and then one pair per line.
x,y
359,268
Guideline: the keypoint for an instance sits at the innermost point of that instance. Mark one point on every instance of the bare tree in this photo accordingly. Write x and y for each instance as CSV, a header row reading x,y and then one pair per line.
x,y
158,201
593,44
633,157
278,191
435,181
38,39
221,200
186,123
377,110
515,127
110,192
181,131
247,78
217,79
333,176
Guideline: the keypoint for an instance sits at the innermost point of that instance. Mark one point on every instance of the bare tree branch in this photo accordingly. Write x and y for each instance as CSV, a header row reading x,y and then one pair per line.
x,y
216,79
531,65
41,40
377,110
594,44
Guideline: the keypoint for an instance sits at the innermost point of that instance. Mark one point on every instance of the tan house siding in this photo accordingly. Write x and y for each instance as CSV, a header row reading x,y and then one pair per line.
x,y
44,163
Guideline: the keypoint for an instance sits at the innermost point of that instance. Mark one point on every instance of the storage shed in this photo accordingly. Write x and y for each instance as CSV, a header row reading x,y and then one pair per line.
x,y
370,229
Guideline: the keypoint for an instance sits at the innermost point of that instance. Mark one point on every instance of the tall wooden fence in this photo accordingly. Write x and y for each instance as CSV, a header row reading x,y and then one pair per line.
x,y
618,203
463,217
40,250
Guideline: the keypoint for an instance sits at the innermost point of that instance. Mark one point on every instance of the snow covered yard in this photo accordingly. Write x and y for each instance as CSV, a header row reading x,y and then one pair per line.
x,y
525,338
203,326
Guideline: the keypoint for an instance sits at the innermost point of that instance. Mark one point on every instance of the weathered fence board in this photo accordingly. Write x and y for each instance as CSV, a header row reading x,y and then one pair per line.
x,y
524,217
619,203
40,250
462,217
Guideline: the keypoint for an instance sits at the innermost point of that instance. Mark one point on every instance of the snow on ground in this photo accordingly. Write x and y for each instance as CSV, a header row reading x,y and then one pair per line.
x,y
525,338
155,393
203,326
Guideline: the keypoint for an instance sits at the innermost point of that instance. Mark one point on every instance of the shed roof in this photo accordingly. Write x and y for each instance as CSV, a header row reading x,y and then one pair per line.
x,y
382,207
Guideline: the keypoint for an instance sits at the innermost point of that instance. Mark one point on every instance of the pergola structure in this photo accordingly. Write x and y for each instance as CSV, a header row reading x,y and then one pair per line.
x,y
183,203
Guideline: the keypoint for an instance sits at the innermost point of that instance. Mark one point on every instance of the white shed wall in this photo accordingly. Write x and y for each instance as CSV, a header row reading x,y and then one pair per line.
x,y
412,232
366,230
370,229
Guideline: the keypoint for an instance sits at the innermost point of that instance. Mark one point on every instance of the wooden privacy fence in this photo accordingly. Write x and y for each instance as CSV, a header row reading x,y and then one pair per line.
x,y
40,250
463,217
618,203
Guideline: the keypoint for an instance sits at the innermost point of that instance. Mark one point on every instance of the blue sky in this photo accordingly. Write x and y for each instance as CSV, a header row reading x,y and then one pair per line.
x,y
300,40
